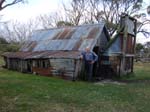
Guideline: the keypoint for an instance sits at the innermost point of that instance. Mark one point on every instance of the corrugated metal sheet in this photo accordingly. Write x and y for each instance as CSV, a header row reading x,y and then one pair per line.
x,y
29,46
115,48
67,38
43,54
20,55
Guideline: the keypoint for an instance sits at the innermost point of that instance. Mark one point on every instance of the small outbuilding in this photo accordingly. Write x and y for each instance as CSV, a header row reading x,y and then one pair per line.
x,y
55,52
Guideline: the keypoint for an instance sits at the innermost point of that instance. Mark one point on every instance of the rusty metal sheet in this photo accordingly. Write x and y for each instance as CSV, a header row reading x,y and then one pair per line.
x,y
43,54
87,43
65,54
40,55
65,33
67,38
77,45
82,32
93,33
56,45
29,46
20,55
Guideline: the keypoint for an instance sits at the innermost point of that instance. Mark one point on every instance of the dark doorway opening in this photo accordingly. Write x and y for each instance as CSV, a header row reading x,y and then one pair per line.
x,y
95,66
29,65
105,68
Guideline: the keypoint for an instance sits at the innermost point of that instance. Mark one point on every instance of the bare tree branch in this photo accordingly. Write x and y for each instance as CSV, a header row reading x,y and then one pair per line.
x,y
3,5
18,32
75,11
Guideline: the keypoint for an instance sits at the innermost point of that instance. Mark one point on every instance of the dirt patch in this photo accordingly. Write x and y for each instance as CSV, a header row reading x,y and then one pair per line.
x,y
108,81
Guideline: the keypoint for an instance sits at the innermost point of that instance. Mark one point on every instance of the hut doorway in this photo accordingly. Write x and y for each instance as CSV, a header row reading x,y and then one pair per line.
x,y
29,66
95,69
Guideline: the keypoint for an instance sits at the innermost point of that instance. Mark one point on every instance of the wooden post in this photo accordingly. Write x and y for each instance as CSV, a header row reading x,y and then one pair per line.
x,y
132,64
119,66
75,70
135,23
134,44
8,61
124,50
21,64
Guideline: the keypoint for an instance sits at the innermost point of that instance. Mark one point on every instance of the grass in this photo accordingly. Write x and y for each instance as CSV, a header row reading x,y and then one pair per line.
x,y
142,72
1,60
28,93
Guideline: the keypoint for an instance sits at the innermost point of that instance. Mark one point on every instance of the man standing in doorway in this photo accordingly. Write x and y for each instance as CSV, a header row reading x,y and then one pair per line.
x,y
89,58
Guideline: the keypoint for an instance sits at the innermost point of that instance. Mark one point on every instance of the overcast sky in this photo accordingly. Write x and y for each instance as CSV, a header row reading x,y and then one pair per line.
x,y
24,12
33,8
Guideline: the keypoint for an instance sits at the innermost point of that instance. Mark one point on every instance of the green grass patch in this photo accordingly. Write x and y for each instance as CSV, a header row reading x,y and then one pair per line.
x,y
29,93
1,61
141,72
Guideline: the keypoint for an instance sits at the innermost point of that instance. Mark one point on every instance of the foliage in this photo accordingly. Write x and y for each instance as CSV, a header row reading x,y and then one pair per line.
x,y
3,41
63,23
139,47
143,50
95,11
147,44
13,47
1,61
25,92
147,49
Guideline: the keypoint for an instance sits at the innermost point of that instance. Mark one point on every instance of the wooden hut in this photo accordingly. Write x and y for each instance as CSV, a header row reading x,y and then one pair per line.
x,y
55,52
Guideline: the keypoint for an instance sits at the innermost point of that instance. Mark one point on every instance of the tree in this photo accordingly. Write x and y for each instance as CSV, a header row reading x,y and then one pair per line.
x,y
4,4
109,11
147,49
75,11
3,40
22,31
139,47
8,47
18,32
147,44
47,21
7,3
63,23
143,50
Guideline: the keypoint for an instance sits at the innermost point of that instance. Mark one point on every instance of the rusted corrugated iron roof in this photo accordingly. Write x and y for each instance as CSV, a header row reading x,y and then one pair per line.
x,y
19,55
67,38
42,54
64,42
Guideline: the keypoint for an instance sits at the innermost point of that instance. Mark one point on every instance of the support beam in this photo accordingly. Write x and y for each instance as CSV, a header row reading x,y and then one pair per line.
x,y
124,50
134,44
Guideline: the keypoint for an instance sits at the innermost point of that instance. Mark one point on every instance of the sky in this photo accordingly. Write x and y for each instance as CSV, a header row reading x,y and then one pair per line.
x,y
23,12
34,8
